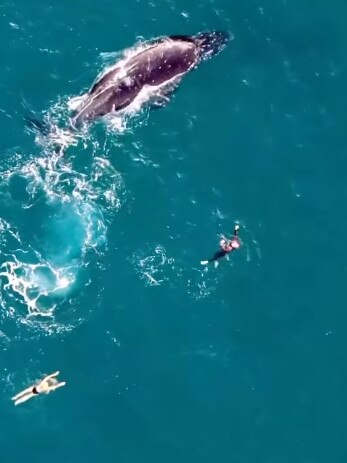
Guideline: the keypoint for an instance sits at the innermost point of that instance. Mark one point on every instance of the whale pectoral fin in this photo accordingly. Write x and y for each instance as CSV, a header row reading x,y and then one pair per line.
x,y
76,103
159,101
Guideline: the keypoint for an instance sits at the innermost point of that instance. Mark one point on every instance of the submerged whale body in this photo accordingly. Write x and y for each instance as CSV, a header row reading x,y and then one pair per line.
x,y
151,72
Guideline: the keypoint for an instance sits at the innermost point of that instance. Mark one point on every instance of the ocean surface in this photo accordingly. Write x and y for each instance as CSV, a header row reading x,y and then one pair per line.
x,y
100,278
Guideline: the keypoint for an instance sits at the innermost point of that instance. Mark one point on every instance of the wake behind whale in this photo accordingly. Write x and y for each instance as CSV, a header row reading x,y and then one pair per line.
x,y
147,75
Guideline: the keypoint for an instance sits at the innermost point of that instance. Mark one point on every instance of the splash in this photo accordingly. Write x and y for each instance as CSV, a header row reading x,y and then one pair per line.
x,y
68,212
39,286
154,267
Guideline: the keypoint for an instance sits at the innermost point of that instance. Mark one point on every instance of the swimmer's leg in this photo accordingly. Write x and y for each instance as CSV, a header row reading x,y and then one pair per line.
x,y
24,398
21,394
218,255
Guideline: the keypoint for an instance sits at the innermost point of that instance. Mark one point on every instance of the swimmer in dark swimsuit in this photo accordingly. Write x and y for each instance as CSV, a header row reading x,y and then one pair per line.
x,y
47,385
227,246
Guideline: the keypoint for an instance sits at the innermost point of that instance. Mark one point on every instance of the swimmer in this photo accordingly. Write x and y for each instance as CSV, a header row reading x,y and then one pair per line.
x,y
227,246
47,385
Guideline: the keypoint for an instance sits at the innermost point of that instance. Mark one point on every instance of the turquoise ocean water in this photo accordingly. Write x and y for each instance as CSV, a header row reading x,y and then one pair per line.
x,y
100,277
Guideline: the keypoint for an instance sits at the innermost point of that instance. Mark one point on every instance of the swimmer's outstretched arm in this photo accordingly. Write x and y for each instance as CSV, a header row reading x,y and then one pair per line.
x,y
51,376
56,386
52,388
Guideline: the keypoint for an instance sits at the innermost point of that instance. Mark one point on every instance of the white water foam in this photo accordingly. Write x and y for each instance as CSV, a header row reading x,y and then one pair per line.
x,y
37,274
156,269
153,267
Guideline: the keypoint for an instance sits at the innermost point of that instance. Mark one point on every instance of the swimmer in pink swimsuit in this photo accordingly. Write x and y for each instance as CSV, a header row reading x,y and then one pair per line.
x,y
227,246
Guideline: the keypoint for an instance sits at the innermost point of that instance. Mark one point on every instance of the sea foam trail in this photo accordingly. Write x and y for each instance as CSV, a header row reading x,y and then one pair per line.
x,y
39,268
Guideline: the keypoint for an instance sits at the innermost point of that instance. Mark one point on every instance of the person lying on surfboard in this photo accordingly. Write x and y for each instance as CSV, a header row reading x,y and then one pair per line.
x,y
226,246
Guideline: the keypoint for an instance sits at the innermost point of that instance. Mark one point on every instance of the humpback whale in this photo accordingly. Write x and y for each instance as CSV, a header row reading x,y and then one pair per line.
x,y
149,73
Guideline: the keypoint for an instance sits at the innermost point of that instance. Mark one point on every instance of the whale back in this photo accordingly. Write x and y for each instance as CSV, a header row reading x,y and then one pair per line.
x,y
163,62
160,65
153,67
